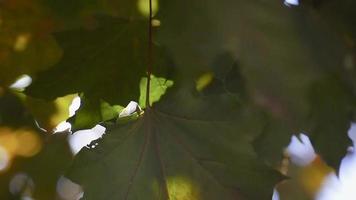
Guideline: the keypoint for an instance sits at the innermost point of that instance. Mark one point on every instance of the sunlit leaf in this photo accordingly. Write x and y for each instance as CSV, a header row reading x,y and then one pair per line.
x,y
92,112
158,87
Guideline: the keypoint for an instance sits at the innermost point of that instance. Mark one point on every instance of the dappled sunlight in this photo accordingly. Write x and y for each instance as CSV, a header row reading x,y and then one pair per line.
x,y
143,7
352,133
82,138
63,126
203,81
4,159
316,177
21,42
73,107
156,23
301,150
236,80
181,188
158,88
65,108
29,143
342,187
68,190
21,184
131,108
290,3
22,82
8,140
21,142
275,195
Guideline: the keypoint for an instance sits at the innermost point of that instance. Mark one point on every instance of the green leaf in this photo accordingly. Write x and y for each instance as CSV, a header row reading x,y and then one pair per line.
x,y
339,15
105,62
158,87
49,114
25,47
12,111
69,9
92,112
44,169
332,108
167,154
282,52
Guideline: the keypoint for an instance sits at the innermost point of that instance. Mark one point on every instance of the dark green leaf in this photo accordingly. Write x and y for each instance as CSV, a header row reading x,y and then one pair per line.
x,y
281,52
106,62
167,155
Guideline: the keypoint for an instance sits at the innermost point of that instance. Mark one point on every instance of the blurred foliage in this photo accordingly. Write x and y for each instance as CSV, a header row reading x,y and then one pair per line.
x,y
235,79
305,181
43,170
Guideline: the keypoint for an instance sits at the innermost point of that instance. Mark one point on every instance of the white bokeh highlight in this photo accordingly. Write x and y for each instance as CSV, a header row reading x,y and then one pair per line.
x,y
68,190
21,184
4,158
63,126
74,106
301,150
275,195
130,109
290,3
83,138
21,83
302,153
344,186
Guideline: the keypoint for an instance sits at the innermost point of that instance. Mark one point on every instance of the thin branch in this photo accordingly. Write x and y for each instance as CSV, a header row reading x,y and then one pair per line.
x,y
150,62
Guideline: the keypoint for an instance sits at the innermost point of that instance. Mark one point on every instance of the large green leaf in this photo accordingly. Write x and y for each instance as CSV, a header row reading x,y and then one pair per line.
x,y
167,154
282,53
105,62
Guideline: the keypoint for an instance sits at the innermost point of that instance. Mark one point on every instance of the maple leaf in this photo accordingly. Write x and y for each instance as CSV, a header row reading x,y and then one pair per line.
x,y
106,62
176,154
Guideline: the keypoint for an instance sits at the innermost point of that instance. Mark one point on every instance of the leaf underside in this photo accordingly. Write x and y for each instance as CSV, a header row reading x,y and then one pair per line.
x,y
272,72
166,156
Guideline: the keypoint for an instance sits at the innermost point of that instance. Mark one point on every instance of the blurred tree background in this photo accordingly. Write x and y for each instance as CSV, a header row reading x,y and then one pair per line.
x,y
231,82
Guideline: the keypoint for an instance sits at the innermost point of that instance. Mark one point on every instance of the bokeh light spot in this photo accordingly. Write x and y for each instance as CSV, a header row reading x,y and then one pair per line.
x,y
181,188
290,3
68,190
203,81
4,159
22,41
29,143
82,138
21,184
22,82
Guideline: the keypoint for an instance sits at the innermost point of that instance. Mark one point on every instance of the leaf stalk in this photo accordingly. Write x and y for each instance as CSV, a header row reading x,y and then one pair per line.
x,y
150,61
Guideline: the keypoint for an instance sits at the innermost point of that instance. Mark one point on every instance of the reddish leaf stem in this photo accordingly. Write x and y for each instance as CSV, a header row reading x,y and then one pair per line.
x,y
149,63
